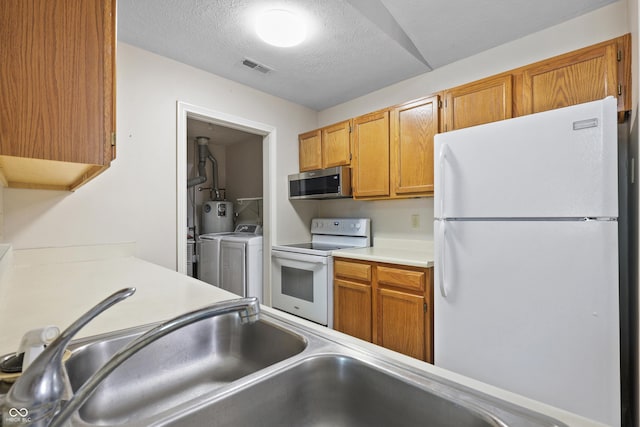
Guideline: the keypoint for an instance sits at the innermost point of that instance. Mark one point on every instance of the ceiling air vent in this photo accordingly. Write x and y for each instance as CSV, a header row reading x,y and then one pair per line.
x,y
256,66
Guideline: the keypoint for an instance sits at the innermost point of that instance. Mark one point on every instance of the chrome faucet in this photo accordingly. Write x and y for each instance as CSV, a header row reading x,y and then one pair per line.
x,y
38,393
43,386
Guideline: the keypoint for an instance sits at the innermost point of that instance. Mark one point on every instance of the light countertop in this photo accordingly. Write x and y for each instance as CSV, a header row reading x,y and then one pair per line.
x,y
47,287
417,253
55,286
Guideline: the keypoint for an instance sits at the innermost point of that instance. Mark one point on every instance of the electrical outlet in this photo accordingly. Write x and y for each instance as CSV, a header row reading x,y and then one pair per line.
x,y
415,221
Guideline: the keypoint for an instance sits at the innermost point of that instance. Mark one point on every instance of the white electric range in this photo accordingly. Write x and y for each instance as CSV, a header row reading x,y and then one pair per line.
x,y
302,273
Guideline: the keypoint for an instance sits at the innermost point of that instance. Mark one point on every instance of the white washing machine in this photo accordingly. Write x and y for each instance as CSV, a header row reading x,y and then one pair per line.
x,y
233,261
209,257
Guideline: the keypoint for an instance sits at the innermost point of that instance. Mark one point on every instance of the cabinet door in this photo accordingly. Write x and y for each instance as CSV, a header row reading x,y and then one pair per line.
x,y
400,322
413,126
310,150
371,155
352,309
336,145
56,80
585,75
483,101
57,109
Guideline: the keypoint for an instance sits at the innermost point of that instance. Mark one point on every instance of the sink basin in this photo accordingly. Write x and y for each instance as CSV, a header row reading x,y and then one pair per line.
x,y
274,372
337,390
177,368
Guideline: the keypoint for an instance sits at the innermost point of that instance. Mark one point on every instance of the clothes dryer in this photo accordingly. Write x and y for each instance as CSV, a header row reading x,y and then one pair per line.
x,y
233,260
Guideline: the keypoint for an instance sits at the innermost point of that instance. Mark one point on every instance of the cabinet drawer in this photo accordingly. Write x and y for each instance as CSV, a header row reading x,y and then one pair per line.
x,y
407,279
352,270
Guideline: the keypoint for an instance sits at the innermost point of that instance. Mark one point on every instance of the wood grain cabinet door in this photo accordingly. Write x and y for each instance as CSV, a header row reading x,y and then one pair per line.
x,y
56,80
352,308
57,108
370,161
400,322
413,126
483,101
585,75
336,145
310,151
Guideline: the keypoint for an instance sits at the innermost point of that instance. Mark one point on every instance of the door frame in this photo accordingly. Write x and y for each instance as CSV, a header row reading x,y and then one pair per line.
x,y
268,132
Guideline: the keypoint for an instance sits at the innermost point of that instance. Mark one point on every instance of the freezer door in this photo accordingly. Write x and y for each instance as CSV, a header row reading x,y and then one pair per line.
x,y
532,307
558,163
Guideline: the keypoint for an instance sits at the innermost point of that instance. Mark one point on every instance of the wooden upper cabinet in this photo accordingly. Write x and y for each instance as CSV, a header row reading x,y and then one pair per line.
x,y
392,149
413,127
370,161
581,76
483,101
326,147
310,150
336,145
57,109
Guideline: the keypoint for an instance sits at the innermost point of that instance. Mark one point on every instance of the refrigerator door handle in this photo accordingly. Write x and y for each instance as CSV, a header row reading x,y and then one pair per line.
x,y
440,257
442,158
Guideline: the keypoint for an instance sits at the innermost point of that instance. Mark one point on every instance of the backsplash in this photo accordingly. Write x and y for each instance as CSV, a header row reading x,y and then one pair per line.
x,y
407,219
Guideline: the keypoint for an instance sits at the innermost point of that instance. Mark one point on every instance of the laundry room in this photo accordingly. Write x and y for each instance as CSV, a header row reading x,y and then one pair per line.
x,y
224,184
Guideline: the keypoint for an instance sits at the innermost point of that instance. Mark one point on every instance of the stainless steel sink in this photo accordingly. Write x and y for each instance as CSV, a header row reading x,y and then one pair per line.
x,y
337,390
177,368
274,372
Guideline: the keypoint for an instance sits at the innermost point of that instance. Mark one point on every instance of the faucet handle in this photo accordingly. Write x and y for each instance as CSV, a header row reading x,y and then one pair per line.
x,y
41,387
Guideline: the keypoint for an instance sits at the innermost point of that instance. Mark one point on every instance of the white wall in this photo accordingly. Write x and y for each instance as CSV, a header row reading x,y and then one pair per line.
x,y
135,199
244,178
389,218
603,24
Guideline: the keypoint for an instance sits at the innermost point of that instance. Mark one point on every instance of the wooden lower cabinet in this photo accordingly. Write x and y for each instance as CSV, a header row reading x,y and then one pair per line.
x,y
352,309
395,311
386,304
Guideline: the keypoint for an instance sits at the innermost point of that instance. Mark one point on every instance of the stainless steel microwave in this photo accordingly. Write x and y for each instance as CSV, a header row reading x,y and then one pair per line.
x,y
330,183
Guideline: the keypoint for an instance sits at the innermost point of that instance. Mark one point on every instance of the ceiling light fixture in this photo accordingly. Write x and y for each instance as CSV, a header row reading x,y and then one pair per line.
x,y
281,28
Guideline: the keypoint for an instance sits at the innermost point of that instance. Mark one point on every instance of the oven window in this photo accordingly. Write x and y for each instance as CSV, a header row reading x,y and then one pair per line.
x,y
297,283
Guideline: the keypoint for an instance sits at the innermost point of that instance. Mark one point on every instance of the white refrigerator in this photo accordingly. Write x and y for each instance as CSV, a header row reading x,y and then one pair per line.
x,y
526,257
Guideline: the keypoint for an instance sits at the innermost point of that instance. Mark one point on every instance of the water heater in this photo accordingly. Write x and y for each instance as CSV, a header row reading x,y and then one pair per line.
x,y
217,217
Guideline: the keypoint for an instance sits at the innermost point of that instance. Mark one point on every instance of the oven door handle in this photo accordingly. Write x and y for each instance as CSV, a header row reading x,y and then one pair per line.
x,y
315,259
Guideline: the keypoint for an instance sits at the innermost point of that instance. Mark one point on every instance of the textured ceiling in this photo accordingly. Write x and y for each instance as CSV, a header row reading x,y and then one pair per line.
x,y
354,46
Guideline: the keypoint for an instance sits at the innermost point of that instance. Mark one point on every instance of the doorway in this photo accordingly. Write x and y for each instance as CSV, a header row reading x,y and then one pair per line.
x,y
242,136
